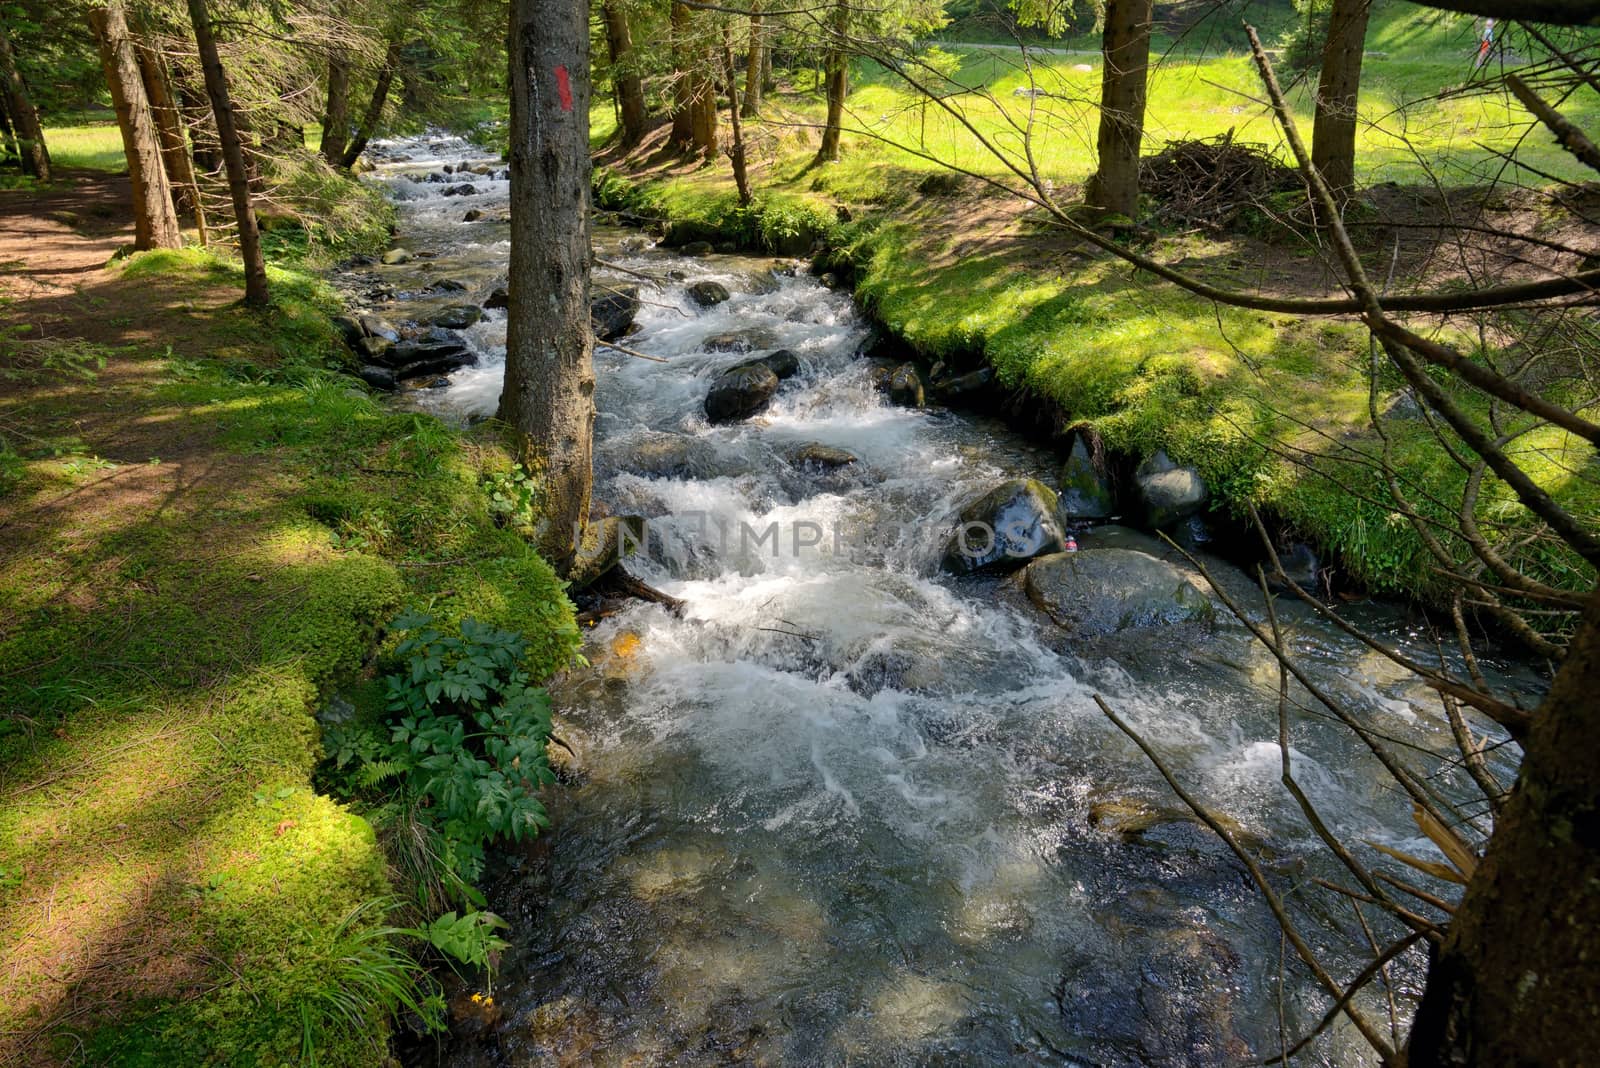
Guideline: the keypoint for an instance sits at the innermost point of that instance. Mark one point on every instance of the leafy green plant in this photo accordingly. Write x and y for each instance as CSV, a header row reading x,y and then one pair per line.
x,y
470,937
511,496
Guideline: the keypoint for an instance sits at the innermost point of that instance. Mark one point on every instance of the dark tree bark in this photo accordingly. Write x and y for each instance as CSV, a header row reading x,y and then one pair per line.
x,y
169,128
752,66
768,82
374,115
703,107
24,117
1333,133
155,223
336,113
837,68
8,137
741,177
255,266
624,74
196,112
682,135
1126,55
548,398
1515,981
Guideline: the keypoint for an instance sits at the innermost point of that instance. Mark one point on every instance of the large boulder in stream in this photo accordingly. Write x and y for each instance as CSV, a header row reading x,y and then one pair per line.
x,y
1095,592
905,387
612,312
458,316
783,363
740,393
708,294
1085,492
1167,492
1005,528
416,359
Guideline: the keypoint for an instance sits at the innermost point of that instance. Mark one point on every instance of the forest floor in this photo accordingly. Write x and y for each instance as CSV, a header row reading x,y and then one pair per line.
x,y
201,533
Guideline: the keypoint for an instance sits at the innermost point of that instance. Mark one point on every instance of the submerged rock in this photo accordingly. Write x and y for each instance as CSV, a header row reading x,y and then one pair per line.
x,y
666,455
396,256
708,294
1168,492
1085,492
783,363
1100,591
458,316
472,215
499,298
739,341
1005,528
740,393
815,455
905,388
613,311
695,248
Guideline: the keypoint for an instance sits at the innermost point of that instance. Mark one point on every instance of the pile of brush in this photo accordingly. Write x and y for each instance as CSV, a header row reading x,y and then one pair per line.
x,y
1209,183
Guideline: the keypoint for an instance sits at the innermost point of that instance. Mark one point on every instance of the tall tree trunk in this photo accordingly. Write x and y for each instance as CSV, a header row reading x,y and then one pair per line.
x,y
255,266
682,135
155,223
196,112
24,117
768,82
752,66
1515,981
336,115
374,115
624,74
741,178
1126,55
703,106
1333,132
169,127
8,137
837,67
548,397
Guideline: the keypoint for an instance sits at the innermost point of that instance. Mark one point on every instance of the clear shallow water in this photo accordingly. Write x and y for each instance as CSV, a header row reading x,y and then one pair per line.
x,y
841,812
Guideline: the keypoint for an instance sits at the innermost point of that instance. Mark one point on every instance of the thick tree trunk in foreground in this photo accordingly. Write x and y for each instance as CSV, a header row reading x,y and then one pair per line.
x,y
682,135
837,66
1333,133
741,177
1516,979
155,223
752,66
624,74
1126,55
548,398
24,117
374,115
255,267
169,127
336,114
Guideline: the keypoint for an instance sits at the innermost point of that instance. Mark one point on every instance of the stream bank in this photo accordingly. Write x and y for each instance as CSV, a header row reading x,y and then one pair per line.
x,y
849,805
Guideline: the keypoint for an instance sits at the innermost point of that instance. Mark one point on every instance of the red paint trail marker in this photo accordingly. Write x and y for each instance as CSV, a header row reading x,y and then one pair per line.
x,y
564,87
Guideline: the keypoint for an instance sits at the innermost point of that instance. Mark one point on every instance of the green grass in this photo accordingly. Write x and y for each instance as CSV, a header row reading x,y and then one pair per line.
x,y
93,142
181,587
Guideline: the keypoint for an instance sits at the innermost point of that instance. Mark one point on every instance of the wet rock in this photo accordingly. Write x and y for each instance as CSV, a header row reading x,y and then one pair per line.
x,y
739,341
1085,492
396,256
829,280
820,457
472,215
1101,591
465,189
634,243
895,670
437,178
1300,566
905,387
1168,492
612,312
605,545
665,455
695,248
740,393
962,387
376,326
783,363
378,377
458,316
708,294
878,376
499,297
446,285
349,328
416,359
375,349
1005,528
726,248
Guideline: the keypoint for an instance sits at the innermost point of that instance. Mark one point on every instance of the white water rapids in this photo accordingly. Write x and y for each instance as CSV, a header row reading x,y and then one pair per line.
x,y
840,811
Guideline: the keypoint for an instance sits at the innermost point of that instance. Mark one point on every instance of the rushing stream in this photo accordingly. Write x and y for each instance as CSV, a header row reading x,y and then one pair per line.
x,y
849,809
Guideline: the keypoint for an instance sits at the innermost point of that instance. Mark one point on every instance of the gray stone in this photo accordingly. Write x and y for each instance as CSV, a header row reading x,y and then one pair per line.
x,y
396,256
740,393
708,294
695,248
905,387
1085,493
1005,528
458,316
415,359
1168,492
349,328
666,455
375,349
612,312
374,326
378,377
1094,592
815,455
739,341
783,363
